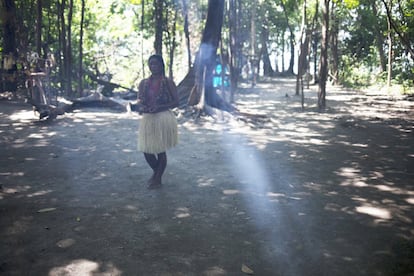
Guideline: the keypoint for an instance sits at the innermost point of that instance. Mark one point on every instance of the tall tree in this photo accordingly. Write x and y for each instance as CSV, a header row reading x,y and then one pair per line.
x,y
333,41
9,53
203,89
291,36
234,45
323,63
68,51
80,62
187,32
39,19
159,23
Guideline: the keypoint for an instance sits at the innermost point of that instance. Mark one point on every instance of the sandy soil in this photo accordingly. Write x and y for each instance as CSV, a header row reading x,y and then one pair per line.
x,y
294,193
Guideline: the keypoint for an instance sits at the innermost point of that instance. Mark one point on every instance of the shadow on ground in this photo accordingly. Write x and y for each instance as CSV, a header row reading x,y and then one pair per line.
x,y
297,193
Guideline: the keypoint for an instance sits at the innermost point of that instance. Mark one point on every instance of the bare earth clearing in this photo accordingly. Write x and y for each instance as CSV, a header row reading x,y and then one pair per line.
x,y
297,193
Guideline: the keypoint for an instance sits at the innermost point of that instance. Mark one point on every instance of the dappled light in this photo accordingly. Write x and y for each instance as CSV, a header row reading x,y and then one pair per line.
x,y
290,190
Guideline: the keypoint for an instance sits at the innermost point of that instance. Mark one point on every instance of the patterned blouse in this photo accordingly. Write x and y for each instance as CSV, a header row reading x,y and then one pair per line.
x,y
152,91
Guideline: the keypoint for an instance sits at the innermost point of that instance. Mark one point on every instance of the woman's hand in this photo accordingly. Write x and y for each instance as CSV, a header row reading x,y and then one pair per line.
x,y
150,109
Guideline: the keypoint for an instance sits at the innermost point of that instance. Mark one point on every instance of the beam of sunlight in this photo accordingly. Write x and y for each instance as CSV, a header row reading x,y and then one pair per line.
x,y
251,172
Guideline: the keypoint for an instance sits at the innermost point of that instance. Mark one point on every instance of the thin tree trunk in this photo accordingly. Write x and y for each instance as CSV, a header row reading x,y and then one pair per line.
x,y
303,51
39,28
379,39
173,44
333,34
323,64
69,50
158,7
142,37
62,47
253,58
187,33
291,40
80,71
267,66
235,46
9,53
390,42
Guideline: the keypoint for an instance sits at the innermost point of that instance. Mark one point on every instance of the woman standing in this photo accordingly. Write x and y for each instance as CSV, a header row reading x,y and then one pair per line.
x,y
158,126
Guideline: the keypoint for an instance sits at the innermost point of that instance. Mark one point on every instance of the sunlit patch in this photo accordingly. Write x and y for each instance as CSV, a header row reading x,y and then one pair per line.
x,y
30,159
348,172
215,270
275,195
100,176
360,184
131,208
374,212
410,200
65,243
36,135
20,141
182,212
39,193
22,116
385,188
12,174
17,189
76,267
231,192
203,182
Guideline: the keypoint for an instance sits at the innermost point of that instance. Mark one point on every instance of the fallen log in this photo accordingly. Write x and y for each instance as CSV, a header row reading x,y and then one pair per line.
x,y
108,86
98,100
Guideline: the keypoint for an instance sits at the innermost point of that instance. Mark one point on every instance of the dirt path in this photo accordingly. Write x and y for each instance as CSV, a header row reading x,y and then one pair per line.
x,y
297,193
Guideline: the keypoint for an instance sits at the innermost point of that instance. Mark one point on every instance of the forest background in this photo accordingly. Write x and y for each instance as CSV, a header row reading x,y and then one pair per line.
x,y
83,43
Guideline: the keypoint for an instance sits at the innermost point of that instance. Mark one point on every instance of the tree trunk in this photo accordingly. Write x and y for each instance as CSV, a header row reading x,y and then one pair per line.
x,y
303,52
389,76
379,40
253,59
187,33
333,34
174,43
69,64
291,40
9,54
39,28
158,8
80,65
234,46
323,64
206,57
267,66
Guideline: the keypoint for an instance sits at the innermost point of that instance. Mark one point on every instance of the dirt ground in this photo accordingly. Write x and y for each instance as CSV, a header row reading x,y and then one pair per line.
x,y
294,193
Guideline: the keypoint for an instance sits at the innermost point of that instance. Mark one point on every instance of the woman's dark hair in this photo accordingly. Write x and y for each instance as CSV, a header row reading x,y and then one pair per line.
x,y
159,59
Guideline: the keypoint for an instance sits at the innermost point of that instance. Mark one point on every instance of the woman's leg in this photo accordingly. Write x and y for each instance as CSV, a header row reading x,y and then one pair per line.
x,y
162,164
153,163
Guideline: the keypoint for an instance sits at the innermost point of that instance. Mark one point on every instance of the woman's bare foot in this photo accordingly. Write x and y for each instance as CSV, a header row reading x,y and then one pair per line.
x,y
154,183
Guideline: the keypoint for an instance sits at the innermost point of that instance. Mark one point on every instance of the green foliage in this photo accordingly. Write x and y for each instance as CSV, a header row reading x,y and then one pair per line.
x,y
355,74
119,35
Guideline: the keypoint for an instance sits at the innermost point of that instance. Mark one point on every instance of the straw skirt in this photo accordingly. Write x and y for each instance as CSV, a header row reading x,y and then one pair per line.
x,y
157,132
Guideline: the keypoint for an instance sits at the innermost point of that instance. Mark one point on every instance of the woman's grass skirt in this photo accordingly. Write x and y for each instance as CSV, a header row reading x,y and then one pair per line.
x,y
157,132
